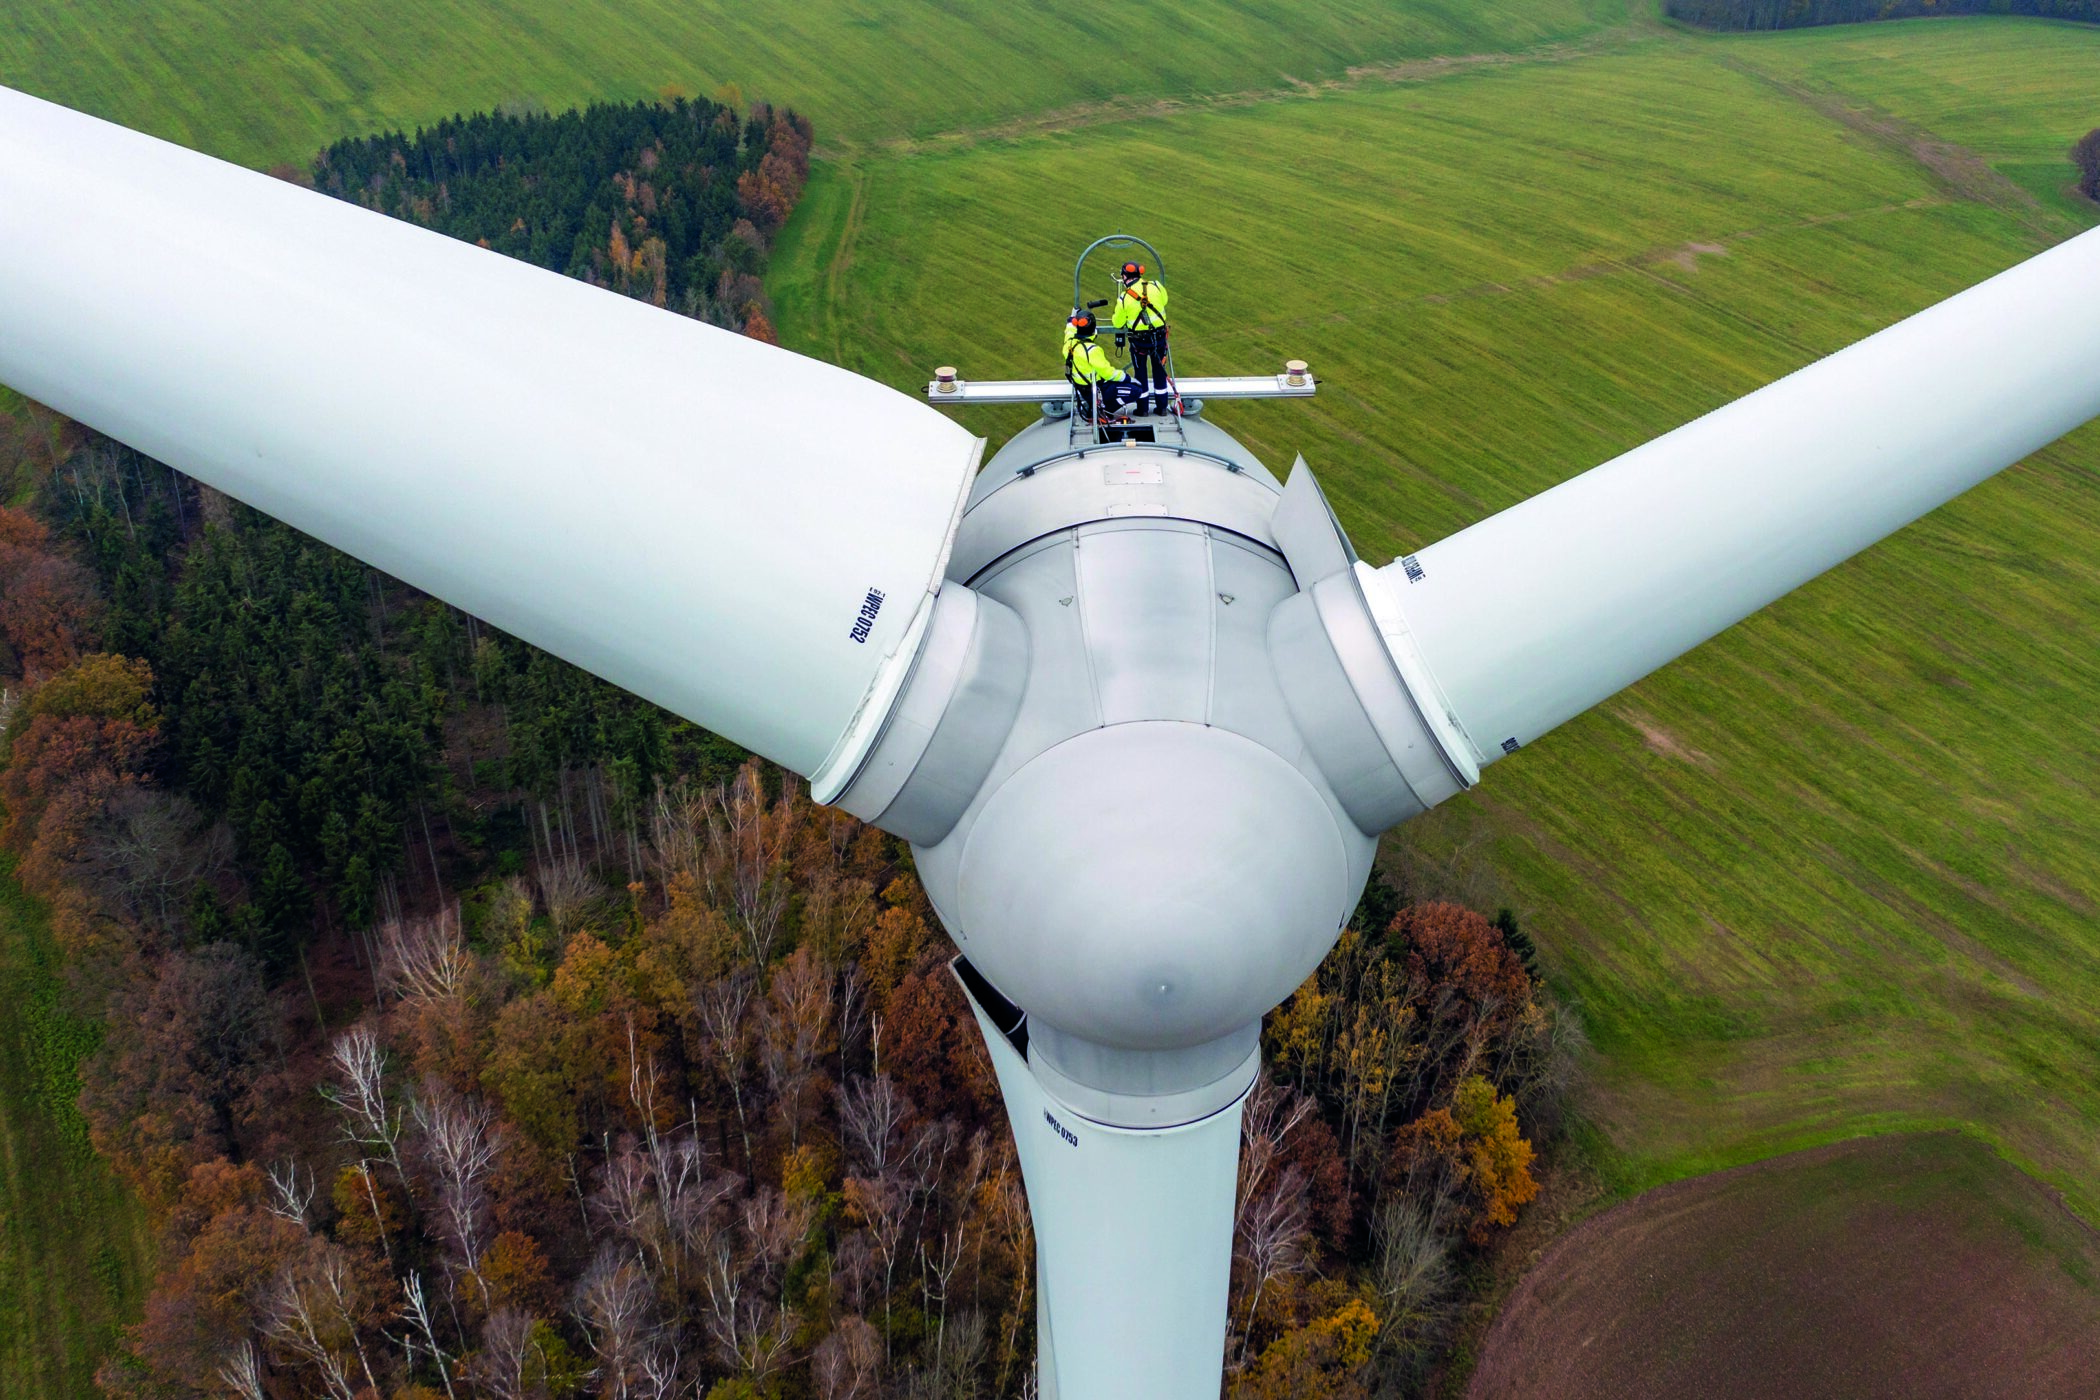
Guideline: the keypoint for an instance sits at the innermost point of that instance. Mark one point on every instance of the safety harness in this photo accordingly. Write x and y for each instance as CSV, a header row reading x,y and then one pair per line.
x,y
1137,289
1071,372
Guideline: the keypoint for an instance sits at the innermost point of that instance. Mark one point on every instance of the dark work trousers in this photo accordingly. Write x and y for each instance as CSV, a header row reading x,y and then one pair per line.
x,y
1111,395
1148,365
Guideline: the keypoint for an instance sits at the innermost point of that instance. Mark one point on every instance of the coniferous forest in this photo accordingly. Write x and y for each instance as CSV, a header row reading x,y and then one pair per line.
x,y
471,1028
674,203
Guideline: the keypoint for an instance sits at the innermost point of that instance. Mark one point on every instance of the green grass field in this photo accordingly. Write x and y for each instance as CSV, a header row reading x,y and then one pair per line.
x,y
2016,92
1835,872
74,1248
264,81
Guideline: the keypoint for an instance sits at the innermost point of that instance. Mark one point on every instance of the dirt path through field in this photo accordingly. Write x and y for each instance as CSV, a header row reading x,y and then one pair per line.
x,y
1915,1266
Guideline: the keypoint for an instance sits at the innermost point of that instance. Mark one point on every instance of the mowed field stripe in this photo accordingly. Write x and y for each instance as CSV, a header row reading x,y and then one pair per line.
x,y
262,81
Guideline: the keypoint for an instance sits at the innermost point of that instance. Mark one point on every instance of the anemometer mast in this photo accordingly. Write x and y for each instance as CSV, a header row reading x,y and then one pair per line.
x,y
1136,703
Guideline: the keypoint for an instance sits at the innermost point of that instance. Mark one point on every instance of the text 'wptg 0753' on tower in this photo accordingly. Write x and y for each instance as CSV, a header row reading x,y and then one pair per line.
x,y
865,623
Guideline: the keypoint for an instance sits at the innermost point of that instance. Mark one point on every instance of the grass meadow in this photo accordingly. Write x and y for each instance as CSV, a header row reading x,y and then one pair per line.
x,y
265,81
74,1247
2015,92
1833,873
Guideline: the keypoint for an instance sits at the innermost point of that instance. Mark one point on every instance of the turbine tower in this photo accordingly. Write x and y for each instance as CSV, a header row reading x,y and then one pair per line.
x,y
1137,705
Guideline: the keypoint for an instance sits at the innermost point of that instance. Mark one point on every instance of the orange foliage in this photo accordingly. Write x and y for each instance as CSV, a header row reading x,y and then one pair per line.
x,y
1498,1157
369,1210
1433,1143
47,602
82,734
765,203
758,327
1472,1150
224,1250
516,1274
1452,947
894,945
1318,1361
931,1046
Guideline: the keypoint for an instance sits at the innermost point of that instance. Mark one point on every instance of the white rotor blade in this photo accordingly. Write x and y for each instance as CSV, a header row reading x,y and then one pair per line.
x,y
740,534
1532,616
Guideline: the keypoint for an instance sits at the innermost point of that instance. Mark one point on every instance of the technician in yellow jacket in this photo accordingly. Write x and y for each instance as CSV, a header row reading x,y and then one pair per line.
x,y
1103,388
1140,319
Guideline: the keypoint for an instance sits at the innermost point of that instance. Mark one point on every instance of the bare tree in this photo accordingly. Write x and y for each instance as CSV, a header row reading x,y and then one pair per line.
x,y
853,1268
425,959
745,864
952,1374
417,1309
749,1328
1009,1225
883,1204
856,1018
311,1310
793,1023
625,1198
616,1303
567,889
288,1199
742,1263
843,1365
149,850
1271,1243
677,832
872,1115
661,1372
458,1140
776,1225
241,1372
687,1194
719,1006
956,1240
369,1123
1411,1278
1272,1209
503,1366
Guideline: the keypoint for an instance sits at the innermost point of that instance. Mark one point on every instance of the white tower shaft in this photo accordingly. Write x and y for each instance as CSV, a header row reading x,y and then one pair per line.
x,y
1133,1238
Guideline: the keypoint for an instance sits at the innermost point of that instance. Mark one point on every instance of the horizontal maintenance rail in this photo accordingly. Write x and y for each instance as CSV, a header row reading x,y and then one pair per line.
x,y
1296,382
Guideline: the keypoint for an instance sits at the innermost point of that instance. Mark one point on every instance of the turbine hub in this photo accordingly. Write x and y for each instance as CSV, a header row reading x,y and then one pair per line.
x,y
1153,885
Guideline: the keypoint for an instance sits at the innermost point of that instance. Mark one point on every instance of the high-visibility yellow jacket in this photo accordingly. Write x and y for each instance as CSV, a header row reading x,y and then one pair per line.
x,y
1086,362
1142,307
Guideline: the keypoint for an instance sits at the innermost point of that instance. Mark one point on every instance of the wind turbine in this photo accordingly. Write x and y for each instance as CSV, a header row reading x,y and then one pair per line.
x,y
1138,706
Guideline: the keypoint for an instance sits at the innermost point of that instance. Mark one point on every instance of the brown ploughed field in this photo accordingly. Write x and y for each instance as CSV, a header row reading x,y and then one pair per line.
x,y
1916,1266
